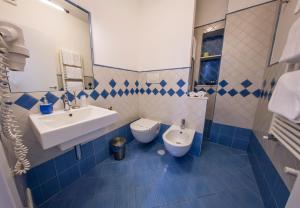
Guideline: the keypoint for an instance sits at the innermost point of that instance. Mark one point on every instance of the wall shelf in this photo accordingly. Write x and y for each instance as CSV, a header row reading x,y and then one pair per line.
x,y
206,58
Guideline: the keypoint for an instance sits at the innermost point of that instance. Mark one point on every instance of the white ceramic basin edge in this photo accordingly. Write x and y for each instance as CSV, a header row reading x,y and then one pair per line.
x,y
64,126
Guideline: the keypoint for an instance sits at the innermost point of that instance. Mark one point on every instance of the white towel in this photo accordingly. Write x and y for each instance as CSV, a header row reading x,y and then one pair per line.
x,y
71,86
285,100
73,73
76,59
297,10
291,52
67,57
197,94
71,58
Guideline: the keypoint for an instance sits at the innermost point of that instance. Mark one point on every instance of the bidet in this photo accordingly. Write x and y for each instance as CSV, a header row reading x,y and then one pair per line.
x,y
178,141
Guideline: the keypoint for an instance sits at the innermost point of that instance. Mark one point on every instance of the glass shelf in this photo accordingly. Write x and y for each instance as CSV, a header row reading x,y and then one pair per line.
x,y
206,58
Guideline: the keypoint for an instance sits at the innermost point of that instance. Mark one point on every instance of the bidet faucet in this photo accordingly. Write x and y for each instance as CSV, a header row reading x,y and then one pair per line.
x,y
182,125
67,104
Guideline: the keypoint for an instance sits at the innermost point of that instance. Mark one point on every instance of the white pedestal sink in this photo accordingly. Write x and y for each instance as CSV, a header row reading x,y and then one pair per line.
x,y
69,128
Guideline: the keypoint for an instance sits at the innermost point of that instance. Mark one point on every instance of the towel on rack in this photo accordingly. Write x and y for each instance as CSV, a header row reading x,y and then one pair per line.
x,y
71,58
74,86
67,57
285,100
76,59
291,52
73,73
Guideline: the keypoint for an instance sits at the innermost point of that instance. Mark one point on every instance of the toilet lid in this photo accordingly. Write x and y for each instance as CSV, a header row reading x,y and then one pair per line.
x,y
143,124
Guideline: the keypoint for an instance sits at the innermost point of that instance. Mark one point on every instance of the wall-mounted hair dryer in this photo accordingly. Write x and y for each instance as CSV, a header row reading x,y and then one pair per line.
x,y
14,44
13,56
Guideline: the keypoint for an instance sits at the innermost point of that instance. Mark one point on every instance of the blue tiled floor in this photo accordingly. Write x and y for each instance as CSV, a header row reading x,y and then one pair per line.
x,y
221,177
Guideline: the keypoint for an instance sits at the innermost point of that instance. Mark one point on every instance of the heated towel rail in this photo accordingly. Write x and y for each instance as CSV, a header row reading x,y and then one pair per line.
x,y
287,133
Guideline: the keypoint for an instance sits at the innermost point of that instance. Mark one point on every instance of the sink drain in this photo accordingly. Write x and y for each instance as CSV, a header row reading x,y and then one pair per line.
x,y
161,152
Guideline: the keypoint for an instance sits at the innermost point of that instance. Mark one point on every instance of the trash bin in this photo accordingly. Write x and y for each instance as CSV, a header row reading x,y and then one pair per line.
x,y
117,146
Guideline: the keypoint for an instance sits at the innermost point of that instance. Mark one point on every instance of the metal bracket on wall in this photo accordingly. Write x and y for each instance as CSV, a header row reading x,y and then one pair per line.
x,y
270,137
292,171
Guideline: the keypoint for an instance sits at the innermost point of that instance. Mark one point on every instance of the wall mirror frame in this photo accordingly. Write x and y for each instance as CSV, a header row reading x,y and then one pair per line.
x,y
285,19
60,43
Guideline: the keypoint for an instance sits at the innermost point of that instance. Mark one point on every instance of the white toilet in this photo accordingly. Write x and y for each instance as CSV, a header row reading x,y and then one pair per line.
x,y
178,141
145,130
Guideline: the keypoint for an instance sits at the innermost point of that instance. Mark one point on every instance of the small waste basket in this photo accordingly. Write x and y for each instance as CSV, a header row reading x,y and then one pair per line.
x,y
117,146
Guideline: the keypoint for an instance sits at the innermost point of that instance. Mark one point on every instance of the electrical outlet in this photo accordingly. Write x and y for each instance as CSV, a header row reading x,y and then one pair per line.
x,y
12,2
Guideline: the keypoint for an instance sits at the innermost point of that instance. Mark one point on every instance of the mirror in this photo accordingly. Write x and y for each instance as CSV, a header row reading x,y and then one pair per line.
x,y
57,34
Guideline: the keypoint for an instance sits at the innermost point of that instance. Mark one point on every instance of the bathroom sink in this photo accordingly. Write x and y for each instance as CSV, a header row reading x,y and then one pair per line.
x,y
64,126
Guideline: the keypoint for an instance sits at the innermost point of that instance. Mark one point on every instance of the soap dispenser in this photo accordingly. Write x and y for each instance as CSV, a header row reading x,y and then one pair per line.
x,y
45,106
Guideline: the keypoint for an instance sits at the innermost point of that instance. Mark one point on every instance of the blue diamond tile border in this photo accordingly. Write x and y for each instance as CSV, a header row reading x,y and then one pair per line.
x,y
232,92
211,91
126,92
222,92
113,93
247,83
51,98
181,83
163,83
126,83
95,94
112,83
245,93
81,94
171,92
120,92
223,83
104,94
180,92
148,91
96,83
132,91
163,92
26,101
155,91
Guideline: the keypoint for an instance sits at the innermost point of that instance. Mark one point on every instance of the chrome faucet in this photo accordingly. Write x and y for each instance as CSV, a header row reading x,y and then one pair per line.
x,y
67,104
182,125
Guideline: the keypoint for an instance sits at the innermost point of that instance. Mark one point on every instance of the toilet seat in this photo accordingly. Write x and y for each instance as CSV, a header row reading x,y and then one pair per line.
x,y
143,125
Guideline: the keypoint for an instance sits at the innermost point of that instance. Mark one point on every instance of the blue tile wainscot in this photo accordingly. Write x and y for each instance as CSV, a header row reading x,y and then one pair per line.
x,y
52,176
271,186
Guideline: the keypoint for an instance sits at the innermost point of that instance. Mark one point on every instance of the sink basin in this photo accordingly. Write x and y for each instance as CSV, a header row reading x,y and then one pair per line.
x,y
63,127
